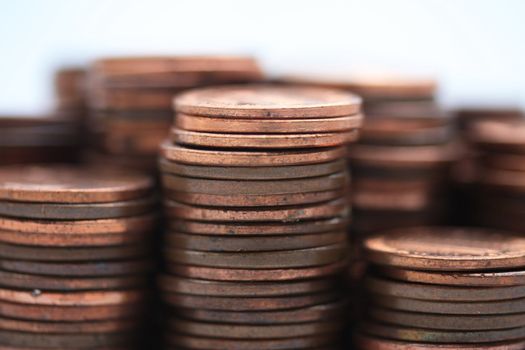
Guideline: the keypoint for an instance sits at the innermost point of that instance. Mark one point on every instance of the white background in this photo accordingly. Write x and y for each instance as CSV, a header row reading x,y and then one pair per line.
x,y
475,48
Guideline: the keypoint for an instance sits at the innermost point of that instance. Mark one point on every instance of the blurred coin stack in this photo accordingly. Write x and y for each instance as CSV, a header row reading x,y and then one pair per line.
x,y
131,100
74,257
255,183
70,92
444,288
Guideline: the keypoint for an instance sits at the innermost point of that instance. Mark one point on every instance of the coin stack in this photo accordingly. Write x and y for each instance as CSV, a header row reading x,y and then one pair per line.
x,y
74,257
445,288
131,100
255,182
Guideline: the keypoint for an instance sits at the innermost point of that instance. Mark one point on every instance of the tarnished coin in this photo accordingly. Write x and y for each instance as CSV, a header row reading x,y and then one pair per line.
x,y
463,249
98,327
63,184
95,298
69,341
266,102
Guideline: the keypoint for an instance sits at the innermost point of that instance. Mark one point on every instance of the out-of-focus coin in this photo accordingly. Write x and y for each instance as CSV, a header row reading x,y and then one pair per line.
x,y
70,341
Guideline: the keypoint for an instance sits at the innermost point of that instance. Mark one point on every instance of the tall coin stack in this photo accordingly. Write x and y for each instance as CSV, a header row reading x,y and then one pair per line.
x,y
445,288
131,100
254,183
74,257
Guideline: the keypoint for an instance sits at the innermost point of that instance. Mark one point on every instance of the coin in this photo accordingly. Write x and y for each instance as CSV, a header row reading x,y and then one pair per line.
x,y
95,298
98,327
70,341
502,136
73,240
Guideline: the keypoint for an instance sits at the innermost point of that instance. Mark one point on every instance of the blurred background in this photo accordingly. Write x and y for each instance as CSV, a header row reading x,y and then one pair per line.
x,y
474,48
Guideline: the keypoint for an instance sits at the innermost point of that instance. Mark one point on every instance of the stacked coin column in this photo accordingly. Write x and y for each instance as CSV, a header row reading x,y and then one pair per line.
x,y
75,260
434,288
254,183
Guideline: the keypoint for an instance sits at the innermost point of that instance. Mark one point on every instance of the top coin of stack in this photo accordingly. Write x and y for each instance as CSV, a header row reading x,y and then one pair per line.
x,y
445,288
131,98
255,183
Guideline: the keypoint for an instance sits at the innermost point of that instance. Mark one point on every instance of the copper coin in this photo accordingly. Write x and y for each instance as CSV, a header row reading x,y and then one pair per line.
x,y
260,101
253,173
514,162
65,227
260,229
142,99
333,208
366,342
438,336
98,269
73,240
72,298
104,253
442,293
464,249
252,243
492,278
215,288
447,322
254,187
505,136
35,282
269,126
247,303
235,331
306,314
259,260
63,184
247,159
505,180
252,275
108,326
70,341
297,343
452,308
398,201
264,141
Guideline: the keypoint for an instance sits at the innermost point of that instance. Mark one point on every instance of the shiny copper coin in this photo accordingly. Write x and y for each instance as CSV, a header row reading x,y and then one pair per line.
x,y
253,173
259,260
277,229
247,303
215,288
305,314
73,240
260,101
438,336
333,208
264,141
464,249
235,331
252,243
70,341
108,326
62,184
493,278
94,269
72,298
447,322
367,342
246,159
269,126
228,274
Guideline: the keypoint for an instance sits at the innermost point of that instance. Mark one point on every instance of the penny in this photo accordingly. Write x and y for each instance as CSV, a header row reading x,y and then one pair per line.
x,y
305,314
70,341
253,173
438,336
254,187
442,293
267,102
259,229
247,303
63,184
234,331
503,136
485,278
252,275
264,141
35,282
246,159
136,99
402,156
251,243
108,326
366,342
259,260
77,269
464,249
214,288
104,253
72,298
286,214
268,126
514,162
505,180
77,211
447,322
